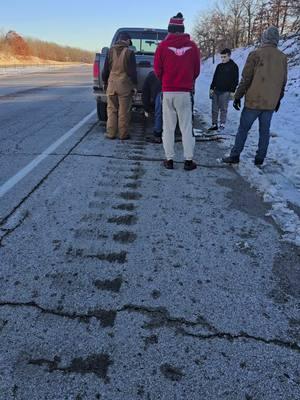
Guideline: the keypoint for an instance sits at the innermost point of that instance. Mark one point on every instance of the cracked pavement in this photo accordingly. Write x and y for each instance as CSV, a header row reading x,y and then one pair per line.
x,y
120,280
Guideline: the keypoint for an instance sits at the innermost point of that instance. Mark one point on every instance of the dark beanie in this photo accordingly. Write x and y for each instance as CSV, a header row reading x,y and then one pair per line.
x,y
176,24
124,36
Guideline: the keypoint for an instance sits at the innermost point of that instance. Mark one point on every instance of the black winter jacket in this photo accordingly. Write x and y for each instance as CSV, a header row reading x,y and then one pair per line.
x,y
226,77
151,88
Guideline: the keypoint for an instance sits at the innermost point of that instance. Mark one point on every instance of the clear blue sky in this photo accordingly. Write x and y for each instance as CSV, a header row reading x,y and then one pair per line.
x,y
90,24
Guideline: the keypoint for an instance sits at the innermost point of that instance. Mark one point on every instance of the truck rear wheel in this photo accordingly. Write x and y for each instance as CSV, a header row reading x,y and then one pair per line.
x,y
101,110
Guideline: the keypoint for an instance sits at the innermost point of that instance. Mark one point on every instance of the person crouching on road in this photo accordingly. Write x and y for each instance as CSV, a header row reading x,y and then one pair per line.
x,y
263,81
177,65
120,76
222,88
151,97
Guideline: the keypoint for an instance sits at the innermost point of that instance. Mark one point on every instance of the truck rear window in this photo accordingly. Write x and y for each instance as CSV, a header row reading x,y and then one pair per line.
x,y
146,42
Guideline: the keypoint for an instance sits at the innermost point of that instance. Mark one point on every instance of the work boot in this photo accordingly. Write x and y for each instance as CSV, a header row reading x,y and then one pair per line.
x,y
258,161
154,139
189,165
168,164
109,136
231,160
214,127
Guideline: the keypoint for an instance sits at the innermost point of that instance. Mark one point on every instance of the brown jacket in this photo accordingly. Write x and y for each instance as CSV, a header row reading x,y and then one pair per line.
x,y
119,70
263,78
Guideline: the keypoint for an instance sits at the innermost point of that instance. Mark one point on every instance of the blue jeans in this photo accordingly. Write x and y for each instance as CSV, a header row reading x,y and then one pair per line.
x,y
158,116
248,117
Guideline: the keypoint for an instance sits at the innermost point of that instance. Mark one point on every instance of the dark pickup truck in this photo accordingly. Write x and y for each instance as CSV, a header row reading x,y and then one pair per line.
x,y
144,44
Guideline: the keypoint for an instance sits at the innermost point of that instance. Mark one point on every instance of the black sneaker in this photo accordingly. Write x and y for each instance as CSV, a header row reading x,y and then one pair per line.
x,y
189,165
231,160
154,139
258,161
168,164
214,127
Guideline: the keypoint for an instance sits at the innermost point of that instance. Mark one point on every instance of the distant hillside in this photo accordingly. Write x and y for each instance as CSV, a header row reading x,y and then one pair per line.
x,y
14,48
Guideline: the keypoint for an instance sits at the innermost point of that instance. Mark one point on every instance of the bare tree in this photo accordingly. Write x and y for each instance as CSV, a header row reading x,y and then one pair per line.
x,y
250,11
285,11
261,20
295,16
235,19
205,34
278,13
233,23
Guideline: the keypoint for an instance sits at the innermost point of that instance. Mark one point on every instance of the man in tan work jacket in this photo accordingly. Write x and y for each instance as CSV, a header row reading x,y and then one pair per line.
x,y
263,81
120,76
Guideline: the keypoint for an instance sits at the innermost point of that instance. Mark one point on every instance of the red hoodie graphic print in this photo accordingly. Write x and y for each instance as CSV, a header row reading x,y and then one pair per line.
x,y
177,63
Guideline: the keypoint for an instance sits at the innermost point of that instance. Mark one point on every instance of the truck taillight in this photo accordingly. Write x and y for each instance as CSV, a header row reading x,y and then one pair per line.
x,y
96,70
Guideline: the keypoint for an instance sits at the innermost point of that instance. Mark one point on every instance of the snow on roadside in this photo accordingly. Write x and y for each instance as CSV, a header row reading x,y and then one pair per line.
x,y
279,179
8,71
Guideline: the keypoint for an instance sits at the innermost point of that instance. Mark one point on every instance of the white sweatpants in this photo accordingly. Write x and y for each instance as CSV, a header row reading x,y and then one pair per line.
x,y
178,105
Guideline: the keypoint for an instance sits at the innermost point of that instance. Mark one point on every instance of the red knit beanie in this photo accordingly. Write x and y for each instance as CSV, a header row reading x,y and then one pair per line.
x,y
176,24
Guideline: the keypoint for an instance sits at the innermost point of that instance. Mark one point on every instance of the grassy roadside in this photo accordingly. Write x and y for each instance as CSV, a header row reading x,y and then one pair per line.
x,y
13,61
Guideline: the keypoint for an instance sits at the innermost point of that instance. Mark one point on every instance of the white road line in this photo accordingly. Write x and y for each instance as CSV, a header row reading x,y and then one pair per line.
x,y
29,167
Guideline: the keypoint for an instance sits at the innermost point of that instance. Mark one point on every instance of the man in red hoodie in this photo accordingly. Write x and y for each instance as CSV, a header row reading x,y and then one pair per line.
x,y
177,65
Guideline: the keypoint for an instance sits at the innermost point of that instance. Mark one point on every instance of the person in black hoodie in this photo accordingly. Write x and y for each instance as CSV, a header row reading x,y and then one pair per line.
x,y
222,88
151,98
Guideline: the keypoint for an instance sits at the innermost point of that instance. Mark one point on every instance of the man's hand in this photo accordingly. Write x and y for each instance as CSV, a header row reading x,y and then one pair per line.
x,y
134,91
231,96
146,114
237,104
211,94
277,107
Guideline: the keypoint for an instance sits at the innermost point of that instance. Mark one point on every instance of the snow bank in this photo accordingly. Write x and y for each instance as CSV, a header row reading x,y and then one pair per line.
x,y
279,179
18,69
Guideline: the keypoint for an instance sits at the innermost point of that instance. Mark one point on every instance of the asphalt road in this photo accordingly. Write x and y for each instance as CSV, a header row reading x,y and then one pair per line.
x,y
35,110
120,280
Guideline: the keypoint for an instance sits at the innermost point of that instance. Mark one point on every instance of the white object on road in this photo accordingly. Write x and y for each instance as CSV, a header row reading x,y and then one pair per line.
x,y
29,167
198,132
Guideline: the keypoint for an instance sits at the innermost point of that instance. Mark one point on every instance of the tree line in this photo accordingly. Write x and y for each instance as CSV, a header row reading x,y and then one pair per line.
x,y
14,44
236,23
